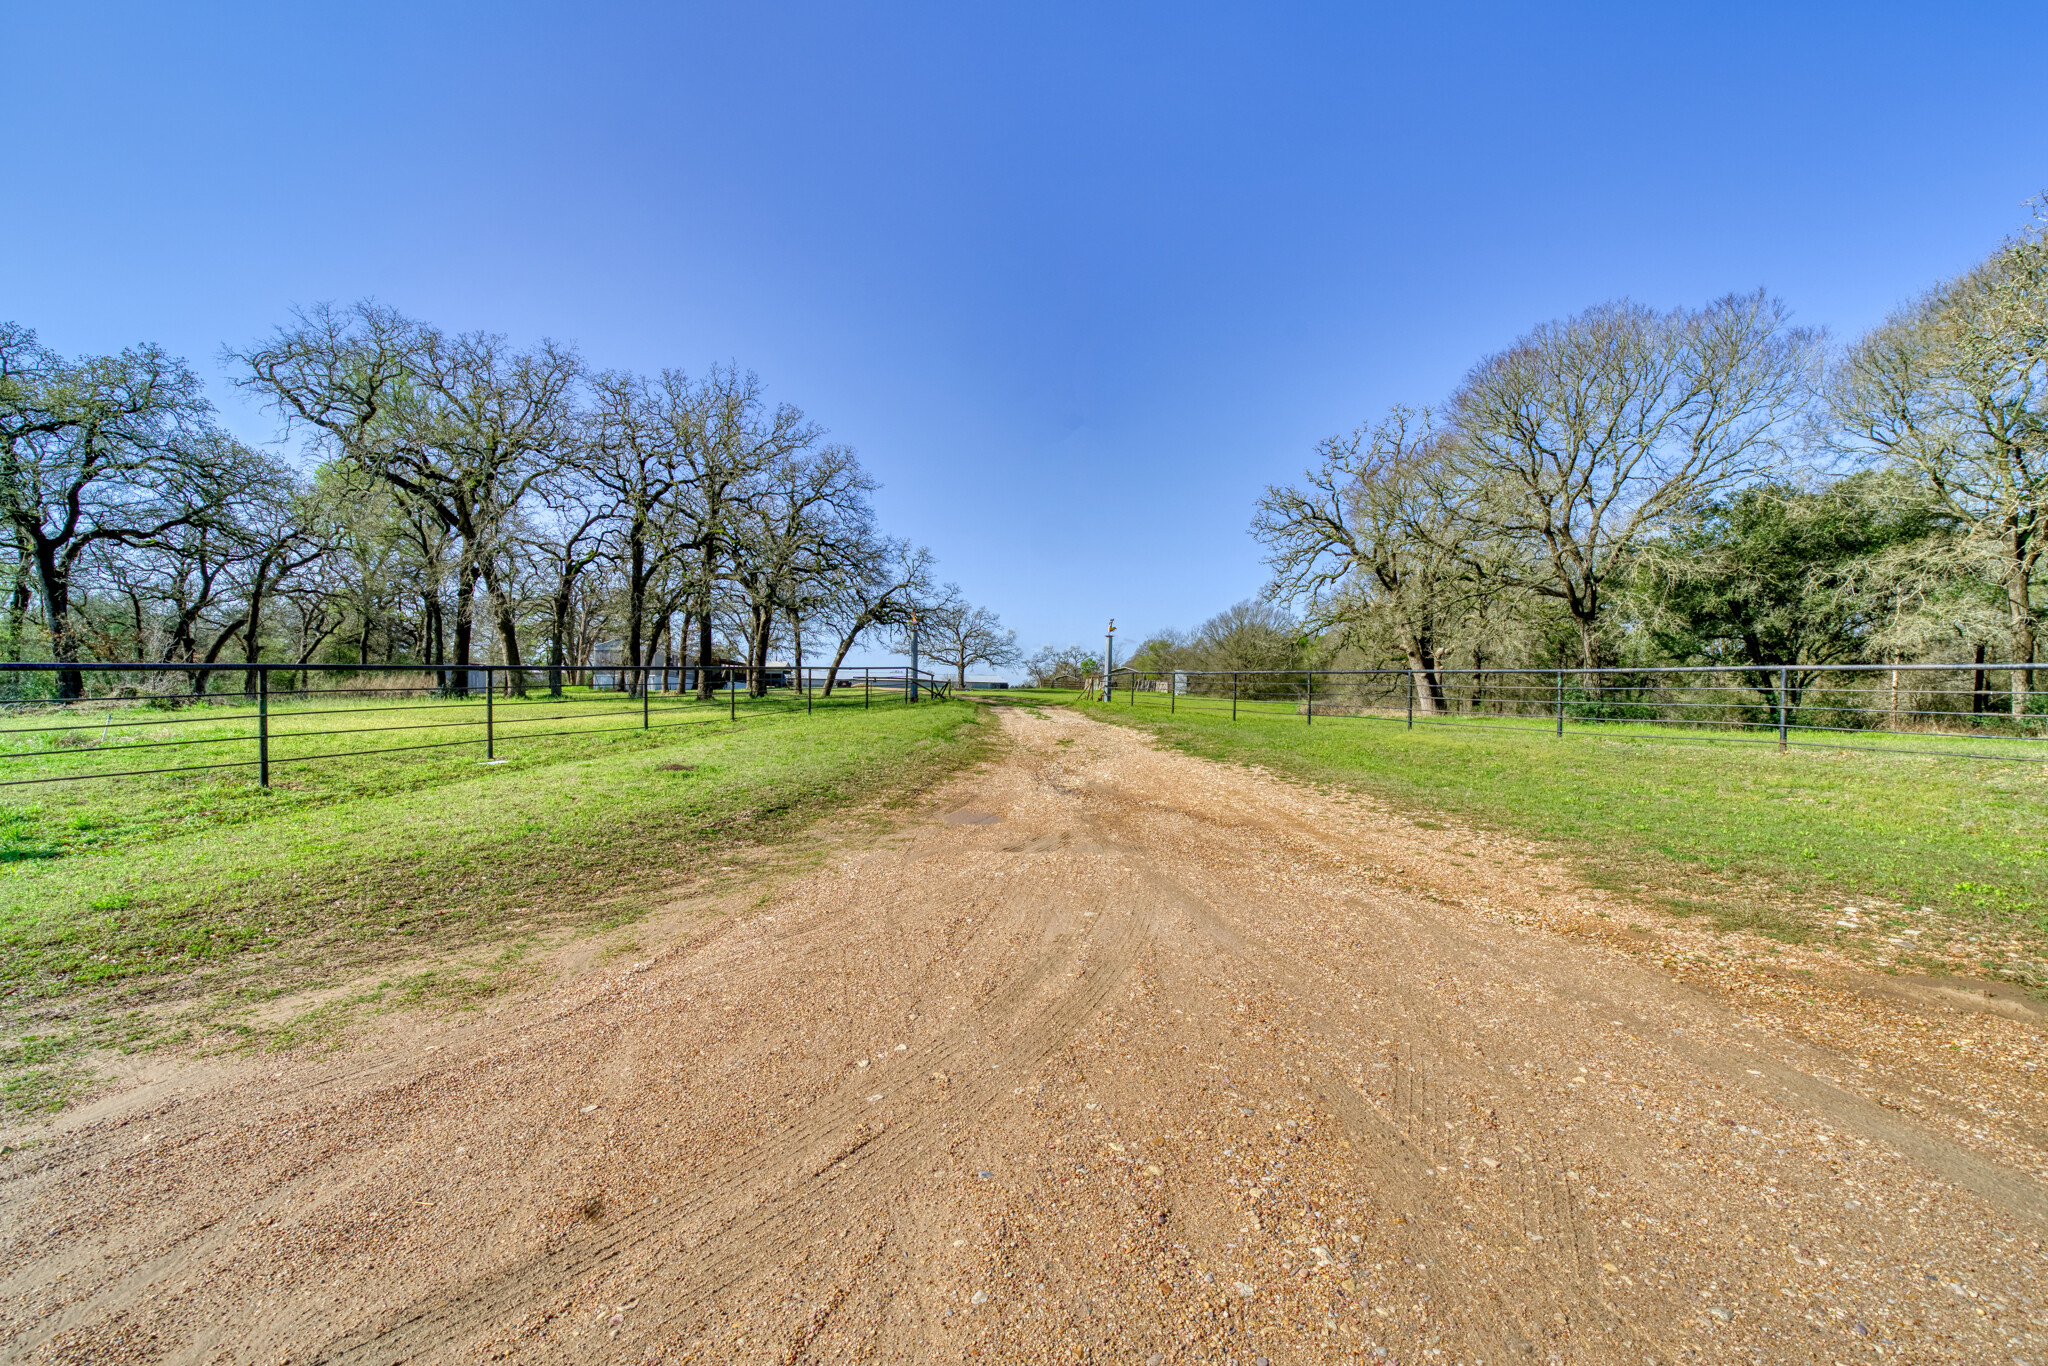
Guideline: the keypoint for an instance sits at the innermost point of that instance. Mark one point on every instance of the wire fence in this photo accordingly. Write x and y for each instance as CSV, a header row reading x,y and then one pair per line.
x,y
63,723
1982,711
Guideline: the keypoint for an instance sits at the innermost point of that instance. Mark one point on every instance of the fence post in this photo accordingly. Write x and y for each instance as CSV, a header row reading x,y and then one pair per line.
x,y
1172,696
1560,704
867,690
1233,694
805,679
1411,699
643,695
732,699
1784,697
262,726
1311,697
490,719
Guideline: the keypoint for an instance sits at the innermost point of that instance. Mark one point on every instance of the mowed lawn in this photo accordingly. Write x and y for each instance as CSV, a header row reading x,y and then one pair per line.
x,y
1953,848
143,910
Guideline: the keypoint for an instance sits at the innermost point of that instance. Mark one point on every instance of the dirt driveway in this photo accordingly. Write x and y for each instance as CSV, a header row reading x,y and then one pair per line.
x,y
1112,1055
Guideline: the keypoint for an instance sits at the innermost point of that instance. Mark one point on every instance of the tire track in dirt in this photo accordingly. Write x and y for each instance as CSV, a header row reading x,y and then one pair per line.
x,y
1398,1146
860,1155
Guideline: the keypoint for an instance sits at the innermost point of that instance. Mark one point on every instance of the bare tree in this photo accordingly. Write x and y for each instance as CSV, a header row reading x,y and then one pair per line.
x,y
447,465
361,519
1374,533
1050,664
568,541
106,450
879,584
637,454
1954,390
472,432
960,634
280,526
806,508
1587,435
460,423
737,438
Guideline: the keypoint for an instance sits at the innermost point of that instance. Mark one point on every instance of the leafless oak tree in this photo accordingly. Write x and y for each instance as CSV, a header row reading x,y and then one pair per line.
x,y
1954,390
1588,435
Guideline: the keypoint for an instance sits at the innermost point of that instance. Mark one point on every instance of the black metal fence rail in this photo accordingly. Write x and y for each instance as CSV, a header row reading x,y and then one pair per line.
x,y
1988,710
72,718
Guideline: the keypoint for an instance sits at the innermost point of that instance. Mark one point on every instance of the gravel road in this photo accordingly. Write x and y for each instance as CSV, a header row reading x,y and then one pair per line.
x,y
1110,1055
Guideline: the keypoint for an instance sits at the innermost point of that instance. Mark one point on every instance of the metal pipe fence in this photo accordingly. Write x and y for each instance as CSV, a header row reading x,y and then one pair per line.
x,y
62,723
1983,711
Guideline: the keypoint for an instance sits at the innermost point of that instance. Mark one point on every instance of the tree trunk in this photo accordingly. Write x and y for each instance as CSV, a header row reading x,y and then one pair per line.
x,y
1588,649
436,643
557,643
757,653
704,661
636,609
201,676
17,606
2024,641
1429,691
465,619
252,634
56,586
515,670
684,682
832,674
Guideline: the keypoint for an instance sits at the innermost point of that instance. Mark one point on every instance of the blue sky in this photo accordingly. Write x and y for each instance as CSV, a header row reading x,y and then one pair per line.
x,y
1077,280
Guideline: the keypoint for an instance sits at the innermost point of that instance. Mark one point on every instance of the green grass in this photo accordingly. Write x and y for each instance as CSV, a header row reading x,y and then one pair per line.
x,y
1749,836
324,748
135,912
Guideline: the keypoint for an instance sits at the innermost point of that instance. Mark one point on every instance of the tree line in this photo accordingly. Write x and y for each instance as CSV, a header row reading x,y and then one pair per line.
x,y
1628,487
456,500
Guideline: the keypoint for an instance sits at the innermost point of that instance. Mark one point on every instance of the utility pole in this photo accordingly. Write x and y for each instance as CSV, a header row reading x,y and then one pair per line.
x,y
1109,661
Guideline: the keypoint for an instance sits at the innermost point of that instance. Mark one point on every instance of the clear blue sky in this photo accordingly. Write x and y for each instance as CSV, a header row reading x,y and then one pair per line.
x,y
1077,280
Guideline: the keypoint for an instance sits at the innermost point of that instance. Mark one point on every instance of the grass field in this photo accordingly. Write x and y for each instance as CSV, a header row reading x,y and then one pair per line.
x,y
1751,837
144,910
324,747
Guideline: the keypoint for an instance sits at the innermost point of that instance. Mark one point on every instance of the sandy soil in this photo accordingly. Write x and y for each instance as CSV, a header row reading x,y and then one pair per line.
x,y
1111,1055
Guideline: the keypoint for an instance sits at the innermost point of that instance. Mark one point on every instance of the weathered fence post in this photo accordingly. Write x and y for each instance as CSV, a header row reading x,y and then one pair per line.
x,y
490,719
1560,704
1411,699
